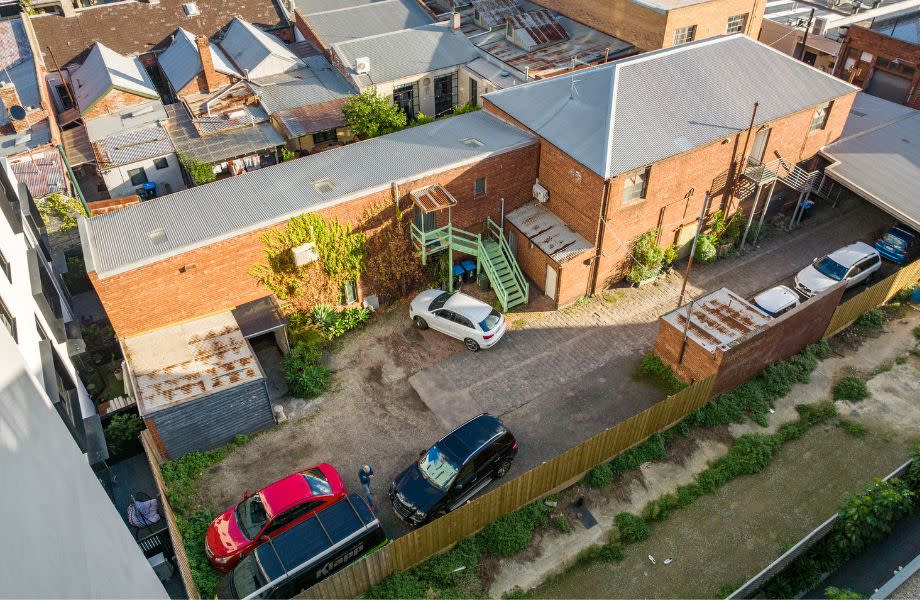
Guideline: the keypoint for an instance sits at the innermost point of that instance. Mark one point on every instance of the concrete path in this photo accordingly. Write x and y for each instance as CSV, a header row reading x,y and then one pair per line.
x,y
583,355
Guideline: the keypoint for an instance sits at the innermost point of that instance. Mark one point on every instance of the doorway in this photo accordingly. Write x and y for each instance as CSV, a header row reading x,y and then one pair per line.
x,y
550,287
759,147
445,94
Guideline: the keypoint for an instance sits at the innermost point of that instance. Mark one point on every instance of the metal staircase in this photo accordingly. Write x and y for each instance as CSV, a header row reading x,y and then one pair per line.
x,y
490,248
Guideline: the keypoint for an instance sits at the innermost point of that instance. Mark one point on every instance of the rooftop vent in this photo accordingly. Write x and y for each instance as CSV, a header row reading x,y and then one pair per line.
x,y
471,142
157,236
191,9
324,186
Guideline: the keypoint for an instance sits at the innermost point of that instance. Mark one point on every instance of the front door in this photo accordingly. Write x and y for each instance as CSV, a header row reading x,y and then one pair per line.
x,y
550,282
759,148
444,87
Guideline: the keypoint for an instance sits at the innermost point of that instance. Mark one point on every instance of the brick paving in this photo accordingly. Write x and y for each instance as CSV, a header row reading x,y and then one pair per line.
x,y
568,373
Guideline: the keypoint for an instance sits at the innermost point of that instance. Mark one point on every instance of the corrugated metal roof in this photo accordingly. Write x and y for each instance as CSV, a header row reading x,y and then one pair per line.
x,y
498,76
105,69
870,111
493,13
433,198
365,20
308,7
717,319
14,143
120,241
407,52
891,185
77,146
220,146
550,233
536,28
256,53
181,62
125,119
635,111
316,83
43,174
132,146
310,119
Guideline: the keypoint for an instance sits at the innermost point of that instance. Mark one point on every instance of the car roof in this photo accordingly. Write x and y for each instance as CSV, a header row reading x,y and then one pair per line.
x,y
469,437
283,493
469,307
852,254
776,298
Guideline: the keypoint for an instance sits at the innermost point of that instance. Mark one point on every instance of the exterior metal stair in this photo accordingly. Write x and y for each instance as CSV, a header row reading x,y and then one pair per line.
x,y
490,248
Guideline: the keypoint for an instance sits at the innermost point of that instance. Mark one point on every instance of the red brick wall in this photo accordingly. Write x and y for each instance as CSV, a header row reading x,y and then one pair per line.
x,y
571,276
159,294
111,102
199,84
304,28
101,207
877,45
696,362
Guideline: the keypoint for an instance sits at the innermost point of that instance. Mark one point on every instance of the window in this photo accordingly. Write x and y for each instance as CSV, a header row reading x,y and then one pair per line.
x,y
684,35
349,292
321,137
736,24
474,92
7,320
438,467
161,163
406,98
251,515
479,188
635,185
137,176
62,93
819,119
291,515
424,221
318,483
5,267
324,186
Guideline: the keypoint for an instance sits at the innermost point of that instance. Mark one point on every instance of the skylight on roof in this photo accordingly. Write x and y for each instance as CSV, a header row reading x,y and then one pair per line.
x,y
157,236
324,186
471,142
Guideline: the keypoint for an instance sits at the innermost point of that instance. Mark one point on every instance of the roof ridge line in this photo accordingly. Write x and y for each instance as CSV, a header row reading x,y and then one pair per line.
x,y
344,8
611,117
882,125
386,33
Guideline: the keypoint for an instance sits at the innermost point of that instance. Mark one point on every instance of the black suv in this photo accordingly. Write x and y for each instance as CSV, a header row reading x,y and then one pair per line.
x,y
453,470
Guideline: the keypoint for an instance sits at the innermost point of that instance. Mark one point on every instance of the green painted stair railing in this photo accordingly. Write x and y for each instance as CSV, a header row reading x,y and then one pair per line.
x,y
492,251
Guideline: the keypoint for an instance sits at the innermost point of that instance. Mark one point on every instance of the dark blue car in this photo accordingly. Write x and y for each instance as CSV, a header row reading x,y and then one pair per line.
x,y
898,244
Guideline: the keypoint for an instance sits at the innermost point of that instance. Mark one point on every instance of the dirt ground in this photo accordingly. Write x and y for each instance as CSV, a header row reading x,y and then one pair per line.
x,y
759,515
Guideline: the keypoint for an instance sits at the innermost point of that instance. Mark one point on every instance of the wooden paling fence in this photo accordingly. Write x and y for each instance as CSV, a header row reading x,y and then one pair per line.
x,y
561,470
874,296
154,458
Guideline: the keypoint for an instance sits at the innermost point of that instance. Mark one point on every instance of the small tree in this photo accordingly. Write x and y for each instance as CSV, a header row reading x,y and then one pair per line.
x,y
200,172
61,210
648,257
369,115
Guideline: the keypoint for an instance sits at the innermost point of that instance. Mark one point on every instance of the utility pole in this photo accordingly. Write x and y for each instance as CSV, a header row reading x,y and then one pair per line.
x,y
811,18
699,228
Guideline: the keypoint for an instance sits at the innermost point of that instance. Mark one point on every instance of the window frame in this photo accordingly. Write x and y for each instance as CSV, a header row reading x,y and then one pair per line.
x,y
6,267
684,35
474,92
133,172
7,315
627,196
352,286
325,136
485,187
161,163
819,119
743,17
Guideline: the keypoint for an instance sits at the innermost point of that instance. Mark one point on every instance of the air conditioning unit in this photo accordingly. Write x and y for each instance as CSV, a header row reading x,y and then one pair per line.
x,y
305,254
540,193
363,65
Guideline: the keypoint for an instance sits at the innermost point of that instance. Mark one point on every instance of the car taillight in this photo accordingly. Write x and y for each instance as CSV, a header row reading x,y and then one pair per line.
x,y
487,336
514,446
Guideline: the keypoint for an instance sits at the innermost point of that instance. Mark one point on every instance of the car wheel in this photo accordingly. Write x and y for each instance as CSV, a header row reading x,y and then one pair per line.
x,y
420,323
503,469
471,345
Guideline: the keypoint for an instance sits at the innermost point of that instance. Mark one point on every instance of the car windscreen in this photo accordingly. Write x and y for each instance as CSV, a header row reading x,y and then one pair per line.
x,y
318,483
439,302
894,240
831,268
246,577
251,515
438,467
491,321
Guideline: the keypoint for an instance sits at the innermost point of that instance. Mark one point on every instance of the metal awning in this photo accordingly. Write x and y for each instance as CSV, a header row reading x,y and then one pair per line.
x,y
259,316
77,146
433,198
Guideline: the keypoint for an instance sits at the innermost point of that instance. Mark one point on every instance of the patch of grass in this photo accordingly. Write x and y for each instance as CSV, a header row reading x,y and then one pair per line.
x,y
917,331
851,388
853,428
870,322
511,533
834,593
653,370
728,589
659,509
631,528
518,323
612,297
515,593
561,523
900,360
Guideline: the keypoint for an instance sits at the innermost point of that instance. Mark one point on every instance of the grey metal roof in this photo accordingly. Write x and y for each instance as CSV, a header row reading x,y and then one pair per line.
x,y
14,143
407,52
256,53
221,145
181,62
636,111
105,69
316,83
882,165
133,146
870,111
192,218
499,76
130,117
550,233
308,7
344,24
18,65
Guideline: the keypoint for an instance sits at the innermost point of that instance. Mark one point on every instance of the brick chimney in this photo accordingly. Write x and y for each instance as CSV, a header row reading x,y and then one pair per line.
x,y
10,98
211,77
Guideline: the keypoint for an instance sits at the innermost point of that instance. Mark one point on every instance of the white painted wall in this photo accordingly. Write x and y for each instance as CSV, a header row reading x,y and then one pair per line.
x,y
62,537
426,92
119,183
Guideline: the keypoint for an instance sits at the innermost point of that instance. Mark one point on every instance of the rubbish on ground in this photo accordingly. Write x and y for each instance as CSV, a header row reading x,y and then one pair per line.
x,y
652,558
550,503
667,561
772,412
584,515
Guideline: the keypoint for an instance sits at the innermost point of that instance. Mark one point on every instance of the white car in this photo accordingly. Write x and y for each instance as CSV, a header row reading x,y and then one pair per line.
x,y
459,316
776,301
852,264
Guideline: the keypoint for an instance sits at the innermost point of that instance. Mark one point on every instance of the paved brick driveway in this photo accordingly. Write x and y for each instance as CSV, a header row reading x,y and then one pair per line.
x,y
566,376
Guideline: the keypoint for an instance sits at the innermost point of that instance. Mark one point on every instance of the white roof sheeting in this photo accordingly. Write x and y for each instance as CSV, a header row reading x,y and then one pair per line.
x,y
256,53
882,165
181,62
870,111
103,70
121,241
550,233
344,24
717,320
636,111
406,52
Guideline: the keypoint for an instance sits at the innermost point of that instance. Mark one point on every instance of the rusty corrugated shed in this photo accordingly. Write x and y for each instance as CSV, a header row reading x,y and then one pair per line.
x,y
717,320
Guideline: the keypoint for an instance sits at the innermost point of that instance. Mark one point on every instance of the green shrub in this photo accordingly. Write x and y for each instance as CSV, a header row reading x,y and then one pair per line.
x,y
200,172
466,108
121,434
401,584
305,377
871,321
613,549
851,389
912,476
705,248
193,529
853,428
654,371
589,553
600,476
647,257
870,515
368,115
650,450
631,528
515,593
687,494
562,524
659,509
834,593
61,208
512,533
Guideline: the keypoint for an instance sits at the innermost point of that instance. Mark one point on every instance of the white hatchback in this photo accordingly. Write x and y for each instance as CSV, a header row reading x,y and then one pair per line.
x,y
851,264
459,316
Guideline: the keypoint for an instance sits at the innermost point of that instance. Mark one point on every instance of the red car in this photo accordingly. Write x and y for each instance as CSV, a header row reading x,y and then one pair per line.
x,y
270,511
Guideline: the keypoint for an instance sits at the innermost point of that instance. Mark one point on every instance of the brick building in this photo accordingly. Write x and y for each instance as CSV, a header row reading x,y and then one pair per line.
x,y
884,60
636,144
664,23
